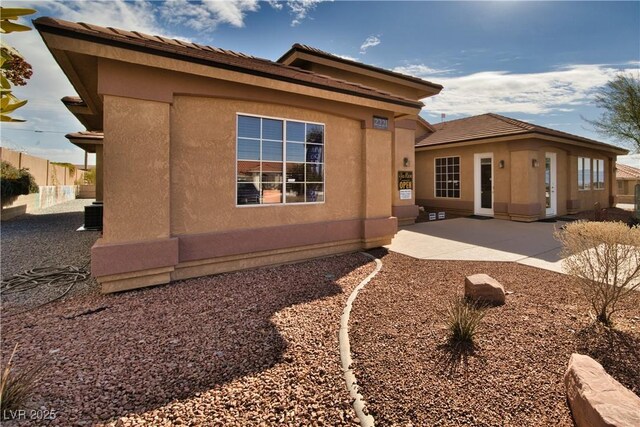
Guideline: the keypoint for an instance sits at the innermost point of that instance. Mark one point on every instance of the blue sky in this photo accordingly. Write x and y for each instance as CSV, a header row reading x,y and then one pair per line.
x,y
535,61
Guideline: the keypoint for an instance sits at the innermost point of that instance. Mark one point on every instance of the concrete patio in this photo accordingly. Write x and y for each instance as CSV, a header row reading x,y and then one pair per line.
x,y
482,240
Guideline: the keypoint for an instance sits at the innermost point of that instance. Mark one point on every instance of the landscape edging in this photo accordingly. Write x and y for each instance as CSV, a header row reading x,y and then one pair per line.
x,y
366,420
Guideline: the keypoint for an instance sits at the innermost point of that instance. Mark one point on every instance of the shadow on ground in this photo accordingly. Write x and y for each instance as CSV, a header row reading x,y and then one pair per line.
x,y
110,355
617,351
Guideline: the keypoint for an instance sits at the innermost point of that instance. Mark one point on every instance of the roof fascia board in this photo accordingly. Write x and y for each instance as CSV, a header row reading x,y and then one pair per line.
x,y
425,89
526,135
58,39
295,52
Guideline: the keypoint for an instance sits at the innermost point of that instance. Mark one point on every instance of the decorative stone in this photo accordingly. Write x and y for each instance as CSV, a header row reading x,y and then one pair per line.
x,y
597,399
483,288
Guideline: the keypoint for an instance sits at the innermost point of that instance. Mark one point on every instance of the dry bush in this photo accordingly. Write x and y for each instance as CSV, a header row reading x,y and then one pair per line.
x,y
604,257
463,318
16,387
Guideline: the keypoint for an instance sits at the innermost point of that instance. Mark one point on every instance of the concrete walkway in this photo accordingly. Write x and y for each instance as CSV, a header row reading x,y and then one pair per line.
x,y
482,240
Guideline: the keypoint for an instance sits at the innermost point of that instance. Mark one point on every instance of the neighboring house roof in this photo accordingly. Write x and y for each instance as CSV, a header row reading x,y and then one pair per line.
x,y
426,124
207,55
492,125
318,52
627,172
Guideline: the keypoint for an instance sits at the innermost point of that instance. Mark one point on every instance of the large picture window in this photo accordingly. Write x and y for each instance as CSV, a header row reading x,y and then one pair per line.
x,y
279,161
447,180
584,173
598,174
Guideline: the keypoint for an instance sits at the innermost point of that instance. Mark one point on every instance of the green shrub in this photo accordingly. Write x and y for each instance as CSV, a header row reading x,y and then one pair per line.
x,y
16,387
15,182
90,177
604,258
463,318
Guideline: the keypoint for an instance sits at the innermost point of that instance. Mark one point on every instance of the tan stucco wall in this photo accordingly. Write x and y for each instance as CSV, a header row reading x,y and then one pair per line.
x,y
404,140
425,176
519,187
136,170
377,156
203,168
361,78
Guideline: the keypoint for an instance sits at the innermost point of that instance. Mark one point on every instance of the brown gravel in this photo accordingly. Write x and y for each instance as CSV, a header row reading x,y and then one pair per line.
x,y
257,347
514,377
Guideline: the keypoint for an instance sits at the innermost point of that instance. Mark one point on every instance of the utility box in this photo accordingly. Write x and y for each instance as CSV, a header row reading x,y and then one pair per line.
x,y
93,216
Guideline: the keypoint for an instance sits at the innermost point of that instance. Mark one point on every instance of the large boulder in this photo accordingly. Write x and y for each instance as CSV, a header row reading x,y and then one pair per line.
x,y
484,289
597,399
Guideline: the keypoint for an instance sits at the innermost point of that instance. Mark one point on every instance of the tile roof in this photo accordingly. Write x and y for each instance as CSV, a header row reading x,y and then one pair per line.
x,y
627,172
316,51
87,135
492,125
212,56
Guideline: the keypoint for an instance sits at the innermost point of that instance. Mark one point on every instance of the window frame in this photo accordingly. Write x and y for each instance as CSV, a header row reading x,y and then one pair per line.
x,y
581,162
284,162
595,170
435,177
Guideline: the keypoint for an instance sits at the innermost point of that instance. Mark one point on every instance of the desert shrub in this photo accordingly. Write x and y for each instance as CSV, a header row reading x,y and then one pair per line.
x,y
16,387
604,258
463,317
90,176
15,182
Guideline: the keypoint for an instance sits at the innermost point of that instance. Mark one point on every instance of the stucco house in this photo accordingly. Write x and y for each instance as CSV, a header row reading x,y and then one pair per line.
x,y
627,177
492,165
210,160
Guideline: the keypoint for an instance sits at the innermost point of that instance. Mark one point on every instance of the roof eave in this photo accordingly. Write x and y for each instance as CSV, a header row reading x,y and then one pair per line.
x,y
46,25
525,134
433,88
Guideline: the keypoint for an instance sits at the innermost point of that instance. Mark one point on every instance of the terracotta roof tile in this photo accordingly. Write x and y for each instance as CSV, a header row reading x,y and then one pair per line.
x,y
492,125
627,172
212,56
85,135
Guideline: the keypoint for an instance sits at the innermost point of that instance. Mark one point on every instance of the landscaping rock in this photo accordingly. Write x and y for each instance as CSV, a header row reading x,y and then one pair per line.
x,y
597,399
484,288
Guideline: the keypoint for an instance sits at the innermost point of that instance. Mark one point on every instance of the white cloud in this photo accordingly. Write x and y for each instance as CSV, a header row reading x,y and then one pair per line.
x,y
561,90
370,41
350,58
138,15
419,70
276,4
208,14
300,9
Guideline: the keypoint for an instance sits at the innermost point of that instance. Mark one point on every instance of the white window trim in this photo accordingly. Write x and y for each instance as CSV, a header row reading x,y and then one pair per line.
x,y
594,179
284,162
583,174
435,174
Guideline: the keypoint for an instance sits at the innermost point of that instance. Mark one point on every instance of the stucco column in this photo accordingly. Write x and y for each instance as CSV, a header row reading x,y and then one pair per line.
x,y
99,180
573,201
379,225
525,204
404,137
136,248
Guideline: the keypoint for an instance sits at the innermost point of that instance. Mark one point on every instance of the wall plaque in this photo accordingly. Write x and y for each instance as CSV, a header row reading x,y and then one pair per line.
x,y
380,122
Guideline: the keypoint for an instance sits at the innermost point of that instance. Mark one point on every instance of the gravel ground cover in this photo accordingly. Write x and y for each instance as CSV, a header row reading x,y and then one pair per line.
x,y
257,347
46,237
410,376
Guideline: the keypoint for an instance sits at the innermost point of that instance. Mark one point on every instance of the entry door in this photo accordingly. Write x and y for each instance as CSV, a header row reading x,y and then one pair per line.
x,y
550,194
483,200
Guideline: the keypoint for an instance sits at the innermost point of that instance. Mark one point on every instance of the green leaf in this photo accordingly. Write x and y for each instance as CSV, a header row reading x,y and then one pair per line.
x,y
10,27
15,12
12,107
5,118
4,83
